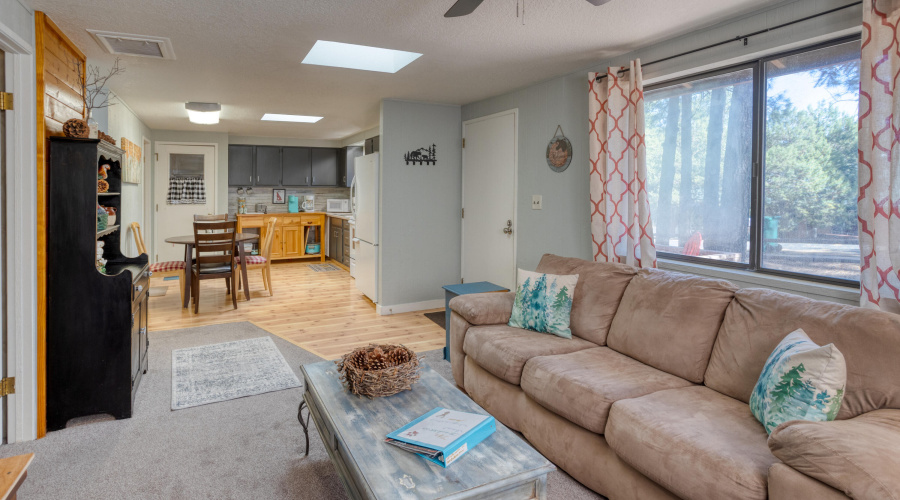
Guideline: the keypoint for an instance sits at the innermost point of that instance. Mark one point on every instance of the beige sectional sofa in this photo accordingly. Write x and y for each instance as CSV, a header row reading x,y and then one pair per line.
x,y
649,399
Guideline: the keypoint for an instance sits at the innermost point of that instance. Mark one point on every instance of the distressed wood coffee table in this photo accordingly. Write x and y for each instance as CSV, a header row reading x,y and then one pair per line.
x,y
353,430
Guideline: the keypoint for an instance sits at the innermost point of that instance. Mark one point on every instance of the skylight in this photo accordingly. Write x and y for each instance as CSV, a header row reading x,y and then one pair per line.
x,y
275,117
347,55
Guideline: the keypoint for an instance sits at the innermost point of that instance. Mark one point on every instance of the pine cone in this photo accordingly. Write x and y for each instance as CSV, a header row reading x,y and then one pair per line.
x,y
377,360
102,186
358,360
398,356
76,127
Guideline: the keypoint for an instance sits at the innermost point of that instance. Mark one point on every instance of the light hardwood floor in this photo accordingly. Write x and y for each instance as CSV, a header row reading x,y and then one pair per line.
x,y
320,312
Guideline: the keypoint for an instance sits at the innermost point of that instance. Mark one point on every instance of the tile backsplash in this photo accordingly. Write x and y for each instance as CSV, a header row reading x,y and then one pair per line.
x,y
264,195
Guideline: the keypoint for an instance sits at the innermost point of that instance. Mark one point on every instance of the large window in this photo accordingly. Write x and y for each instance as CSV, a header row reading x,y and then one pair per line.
x,y
755,166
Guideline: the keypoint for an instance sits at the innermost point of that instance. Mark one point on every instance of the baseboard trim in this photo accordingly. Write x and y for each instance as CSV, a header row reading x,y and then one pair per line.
x,y
410,307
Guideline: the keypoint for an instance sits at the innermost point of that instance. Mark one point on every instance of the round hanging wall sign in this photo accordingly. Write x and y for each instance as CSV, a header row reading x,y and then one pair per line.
x,y
559,151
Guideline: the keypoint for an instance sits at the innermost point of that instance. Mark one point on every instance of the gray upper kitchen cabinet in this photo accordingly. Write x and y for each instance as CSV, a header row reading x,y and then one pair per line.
x,y
268,166
240,166
347,164
324,167
296,166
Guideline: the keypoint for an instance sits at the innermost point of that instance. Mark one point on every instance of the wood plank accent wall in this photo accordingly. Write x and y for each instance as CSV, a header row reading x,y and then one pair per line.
x,y
58,99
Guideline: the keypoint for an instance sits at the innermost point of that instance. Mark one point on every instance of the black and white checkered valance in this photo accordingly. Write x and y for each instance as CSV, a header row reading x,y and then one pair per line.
x,y
186,191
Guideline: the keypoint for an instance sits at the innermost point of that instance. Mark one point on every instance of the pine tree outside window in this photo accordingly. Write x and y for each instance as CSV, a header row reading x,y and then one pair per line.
x,y
758,163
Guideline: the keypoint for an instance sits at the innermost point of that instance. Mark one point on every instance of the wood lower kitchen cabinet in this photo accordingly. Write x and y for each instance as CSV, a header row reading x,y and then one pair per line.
x,y
292,231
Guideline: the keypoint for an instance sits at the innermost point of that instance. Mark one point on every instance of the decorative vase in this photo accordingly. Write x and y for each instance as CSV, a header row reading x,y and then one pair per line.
x,y
111,215
93,126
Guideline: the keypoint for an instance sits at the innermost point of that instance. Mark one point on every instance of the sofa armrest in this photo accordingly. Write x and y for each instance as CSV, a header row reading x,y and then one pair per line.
x,y
484,308
857,456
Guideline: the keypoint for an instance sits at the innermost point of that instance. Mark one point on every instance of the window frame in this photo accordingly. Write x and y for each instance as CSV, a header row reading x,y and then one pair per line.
x,y
757,177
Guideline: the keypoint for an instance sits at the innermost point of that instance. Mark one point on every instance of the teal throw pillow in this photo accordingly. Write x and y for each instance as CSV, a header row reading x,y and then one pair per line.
x,y
543,302
800,381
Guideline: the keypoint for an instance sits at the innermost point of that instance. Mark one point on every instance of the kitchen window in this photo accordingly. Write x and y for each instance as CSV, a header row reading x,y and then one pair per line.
x,y
754,166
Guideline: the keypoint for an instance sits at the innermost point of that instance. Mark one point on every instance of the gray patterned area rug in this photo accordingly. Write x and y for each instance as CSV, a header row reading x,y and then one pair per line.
x,y
321,268
219,372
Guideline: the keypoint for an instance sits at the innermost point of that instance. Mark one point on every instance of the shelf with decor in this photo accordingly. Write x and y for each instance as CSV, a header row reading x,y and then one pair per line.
x,y
108,230
96,321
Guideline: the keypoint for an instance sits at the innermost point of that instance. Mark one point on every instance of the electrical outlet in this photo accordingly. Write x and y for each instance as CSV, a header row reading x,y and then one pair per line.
x,y
536,202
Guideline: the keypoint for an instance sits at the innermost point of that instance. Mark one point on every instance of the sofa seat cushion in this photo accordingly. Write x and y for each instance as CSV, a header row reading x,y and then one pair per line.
x,y
696,442
503,350
583,385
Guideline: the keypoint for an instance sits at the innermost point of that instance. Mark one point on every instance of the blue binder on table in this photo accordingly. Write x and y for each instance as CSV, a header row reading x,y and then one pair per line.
x,y
443,435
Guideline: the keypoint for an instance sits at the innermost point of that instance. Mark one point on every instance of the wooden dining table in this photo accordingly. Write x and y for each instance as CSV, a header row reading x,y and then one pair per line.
x,y
188,242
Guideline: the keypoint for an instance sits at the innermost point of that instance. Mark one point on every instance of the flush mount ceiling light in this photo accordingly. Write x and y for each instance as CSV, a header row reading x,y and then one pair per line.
x,y
204,113
275,117
348,55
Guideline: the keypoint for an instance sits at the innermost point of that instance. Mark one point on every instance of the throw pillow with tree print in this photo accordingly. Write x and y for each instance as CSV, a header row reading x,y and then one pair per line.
x,y
800,381
544,302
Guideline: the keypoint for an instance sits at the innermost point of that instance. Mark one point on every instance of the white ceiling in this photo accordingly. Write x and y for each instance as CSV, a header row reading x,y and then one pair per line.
x,y
246,54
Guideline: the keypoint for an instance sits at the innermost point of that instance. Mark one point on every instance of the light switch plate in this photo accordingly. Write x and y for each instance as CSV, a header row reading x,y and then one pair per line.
x,y
536,202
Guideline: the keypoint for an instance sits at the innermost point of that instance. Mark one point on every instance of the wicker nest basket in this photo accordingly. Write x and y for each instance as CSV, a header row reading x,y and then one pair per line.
x,y
379,370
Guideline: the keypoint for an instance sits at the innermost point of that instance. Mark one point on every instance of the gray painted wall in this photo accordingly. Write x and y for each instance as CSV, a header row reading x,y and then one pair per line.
x,y
123,122
563,226
19,18
420,204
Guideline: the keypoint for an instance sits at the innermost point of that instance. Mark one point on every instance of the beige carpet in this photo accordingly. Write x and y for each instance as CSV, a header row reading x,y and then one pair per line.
x,y
243,448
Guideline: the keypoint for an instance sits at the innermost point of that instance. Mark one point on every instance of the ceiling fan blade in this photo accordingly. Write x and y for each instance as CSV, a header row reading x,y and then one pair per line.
x,y
463,8
597,3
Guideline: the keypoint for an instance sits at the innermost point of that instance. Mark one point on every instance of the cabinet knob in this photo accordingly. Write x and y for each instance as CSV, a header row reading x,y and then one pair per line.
x,y
139,288
149,273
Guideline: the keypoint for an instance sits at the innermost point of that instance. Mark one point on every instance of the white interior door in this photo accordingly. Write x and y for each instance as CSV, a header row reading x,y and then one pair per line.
x,y
489,199
178,220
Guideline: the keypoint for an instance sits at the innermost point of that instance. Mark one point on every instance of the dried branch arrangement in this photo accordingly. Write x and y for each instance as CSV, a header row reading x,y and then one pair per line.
x,y
94,83
379,370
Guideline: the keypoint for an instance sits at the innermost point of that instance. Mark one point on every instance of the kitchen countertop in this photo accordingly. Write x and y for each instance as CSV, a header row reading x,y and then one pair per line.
x,y
345,216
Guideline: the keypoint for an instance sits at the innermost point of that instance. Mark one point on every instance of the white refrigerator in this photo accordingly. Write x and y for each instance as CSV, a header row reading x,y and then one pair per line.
x,y
364,202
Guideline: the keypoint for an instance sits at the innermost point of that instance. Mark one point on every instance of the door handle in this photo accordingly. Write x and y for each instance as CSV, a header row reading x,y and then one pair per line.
x,y
508,228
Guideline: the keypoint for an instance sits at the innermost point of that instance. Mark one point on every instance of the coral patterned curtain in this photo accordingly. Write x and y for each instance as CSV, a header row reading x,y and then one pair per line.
x,y
621,228
879,157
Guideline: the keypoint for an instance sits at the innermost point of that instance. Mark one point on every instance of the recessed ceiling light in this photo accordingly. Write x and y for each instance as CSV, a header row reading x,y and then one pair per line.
x,y
348,55
204,113
275,117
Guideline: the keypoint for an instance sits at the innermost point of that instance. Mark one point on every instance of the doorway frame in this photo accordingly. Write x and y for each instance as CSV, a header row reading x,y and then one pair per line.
x,y
215,184
515,215
21,229
148,180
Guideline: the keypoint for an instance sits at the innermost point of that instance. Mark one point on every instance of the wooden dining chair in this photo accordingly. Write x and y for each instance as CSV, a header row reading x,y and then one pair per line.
x,y
162,269
214,257
261,261
210,217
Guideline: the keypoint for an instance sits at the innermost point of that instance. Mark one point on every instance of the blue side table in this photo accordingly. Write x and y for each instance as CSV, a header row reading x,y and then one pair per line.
x,y
451,291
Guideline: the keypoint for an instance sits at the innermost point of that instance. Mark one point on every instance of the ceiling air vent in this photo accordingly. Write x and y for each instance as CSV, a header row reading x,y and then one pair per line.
x,y
123,44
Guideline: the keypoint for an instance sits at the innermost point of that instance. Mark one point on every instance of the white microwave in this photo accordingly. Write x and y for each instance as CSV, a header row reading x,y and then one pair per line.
x,y
337,205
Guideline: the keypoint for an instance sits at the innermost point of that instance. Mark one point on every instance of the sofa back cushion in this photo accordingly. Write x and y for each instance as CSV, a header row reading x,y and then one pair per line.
x,y
757,320
670,321
597,294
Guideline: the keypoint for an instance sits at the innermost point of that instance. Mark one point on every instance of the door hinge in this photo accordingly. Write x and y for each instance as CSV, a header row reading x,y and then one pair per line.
x,y
156,155
464,143
462,280
7,386
464,213
6,101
